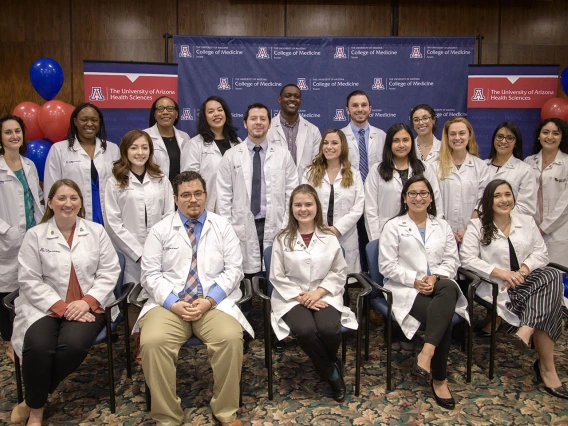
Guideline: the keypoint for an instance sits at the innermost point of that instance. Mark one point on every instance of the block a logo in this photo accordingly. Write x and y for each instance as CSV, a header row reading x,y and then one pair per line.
x,y
186,114
339,53
96,94
339,115
184,51
478,95
262,53
302,84
378,84
224,84
416,54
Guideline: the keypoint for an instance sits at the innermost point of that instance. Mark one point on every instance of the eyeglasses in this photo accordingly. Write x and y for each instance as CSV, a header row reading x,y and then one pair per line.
x,y
169,108
499,137
414,194
188,195
424,119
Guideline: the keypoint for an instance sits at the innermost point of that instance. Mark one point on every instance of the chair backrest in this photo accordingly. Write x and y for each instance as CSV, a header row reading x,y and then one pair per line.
x,y
119,281
372,252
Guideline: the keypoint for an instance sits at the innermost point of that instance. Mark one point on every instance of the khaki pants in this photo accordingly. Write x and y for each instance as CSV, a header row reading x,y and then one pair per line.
x,y
163,333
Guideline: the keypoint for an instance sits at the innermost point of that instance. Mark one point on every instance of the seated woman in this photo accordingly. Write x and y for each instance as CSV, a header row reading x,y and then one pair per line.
x,y
67,273
507,247
308,273
418,257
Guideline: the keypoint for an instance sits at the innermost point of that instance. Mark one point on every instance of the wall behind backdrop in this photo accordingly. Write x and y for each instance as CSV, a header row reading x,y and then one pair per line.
x,y
521,32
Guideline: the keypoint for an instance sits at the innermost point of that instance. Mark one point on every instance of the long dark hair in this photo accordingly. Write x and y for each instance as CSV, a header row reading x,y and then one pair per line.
x,y
72,132
23,148
517,149
386,167
431,210
229,130
152,119
430,110
562,126
486,214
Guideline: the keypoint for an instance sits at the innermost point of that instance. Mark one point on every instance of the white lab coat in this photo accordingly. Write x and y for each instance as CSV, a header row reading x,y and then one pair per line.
x,y
403,257
167,259
462,190
161,157
529,248
375,146
347,210
125,210
321,264
434,151
521,177
75,164
234,185
555,204
307,141
382,199
204,159
45,267
13,218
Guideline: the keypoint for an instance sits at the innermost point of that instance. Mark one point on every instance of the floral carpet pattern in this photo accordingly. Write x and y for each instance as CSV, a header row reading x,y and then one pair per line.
x,y
300,397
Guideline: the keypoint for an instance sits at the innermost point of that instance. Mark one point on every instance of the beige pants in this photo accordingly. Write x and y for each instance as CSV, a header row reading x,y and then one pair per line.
x,y
163,333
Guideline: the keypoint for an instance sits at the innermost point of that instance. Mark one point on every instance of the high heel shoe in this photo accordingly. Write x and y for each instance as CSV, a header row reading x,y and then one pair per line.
x,y
421,373
559,392
447,403
20,414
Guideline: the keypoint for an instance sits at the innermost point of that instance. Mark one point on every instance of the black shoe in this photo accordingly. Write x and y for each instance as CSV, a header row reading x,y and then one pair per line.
x,y
421,373
338,389
277,345
339,365
559,392
447,403
520,343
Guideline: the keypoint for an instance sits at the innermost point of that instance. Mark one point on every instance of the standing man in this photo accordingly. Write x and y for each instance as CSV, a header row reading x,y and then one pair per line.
x,y
254,184
292,131
191,269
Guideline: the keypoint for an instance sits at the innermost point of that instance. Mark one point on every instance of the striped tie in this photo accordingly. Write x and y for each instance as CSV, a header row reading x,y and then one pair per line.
x,y
191,289
363,163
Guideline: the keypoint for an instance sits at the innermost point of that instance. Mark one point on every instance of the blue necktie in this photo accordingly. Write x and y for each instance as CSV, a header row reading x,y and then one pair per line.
x,y
363,162
191,285
256,183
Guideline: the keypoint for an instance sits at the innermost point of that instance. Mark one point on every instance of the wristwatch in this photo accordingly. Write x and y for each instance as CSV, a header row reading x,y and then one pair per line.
x,y
438,278
212,301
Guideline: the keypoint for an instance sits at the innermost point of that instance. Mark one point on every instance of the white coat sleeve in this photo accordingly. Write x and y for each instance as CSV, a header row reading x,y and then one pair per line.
x,y
389,265
527,196
224,184
4,227
372,220
451,261
287,288
430,174
229,279
153,280
349,220
470,250
190,156
167,190
291,184
559,215
538,256
53,169
334,281
108,270
315,140
484,179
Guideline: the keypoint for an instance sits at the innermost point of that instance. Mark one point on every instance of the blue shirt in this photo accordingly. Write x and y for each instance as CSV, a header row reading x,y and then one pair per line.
x,y
423,235
355,131
262,152
215,292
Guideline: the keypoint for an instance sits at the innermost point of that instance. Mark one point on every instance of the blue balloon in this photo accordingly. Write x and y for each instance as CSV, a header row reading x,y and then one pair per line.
x,y
37,151
564,80
47,77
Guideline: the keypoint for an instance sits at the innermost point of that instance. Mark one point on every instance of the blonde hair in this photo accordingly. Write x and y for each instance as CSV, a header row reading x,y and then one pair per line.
x,y
316,171
445,158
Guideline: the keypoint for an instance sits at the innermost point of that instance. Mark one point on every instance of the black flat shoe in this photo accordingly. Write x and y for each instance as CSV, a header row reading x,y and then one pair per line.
x,y
338,389
520,343
559,392
421,373
447,403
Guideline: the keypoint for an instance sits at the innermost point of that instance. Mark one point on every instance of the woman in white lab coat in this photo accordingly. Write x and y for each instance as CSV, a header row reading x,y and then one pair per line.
x,y
168,141
137,196
419,259
506,162
550,166
507,247
308,274
67,273
384,182
340,190
204,152
461,174
20,209
86,158
423,119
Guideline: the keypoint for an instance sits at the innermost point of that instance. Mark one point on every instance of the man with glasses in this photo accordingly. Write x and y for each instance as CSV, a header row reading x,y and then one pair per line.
x,y
191,270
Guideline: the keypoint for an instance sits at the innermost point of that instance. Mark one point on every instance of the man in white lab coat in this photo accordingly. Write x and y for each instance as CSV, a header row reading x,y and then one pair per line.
x,y
191,270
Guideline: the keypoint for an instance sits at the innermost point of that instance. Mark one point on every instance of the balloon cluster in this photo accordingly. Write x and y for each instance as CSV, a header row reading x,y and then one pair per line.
x,y
557,107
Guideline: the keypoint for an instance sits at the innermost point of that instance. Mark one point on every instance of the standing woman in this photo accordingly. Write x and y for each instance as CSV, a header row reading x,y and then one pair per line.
x,y
462,175
505,162
423,118
168,141
67,273
204,152
385,181
550,165
137,196
340,188
20,209
86,158
308,274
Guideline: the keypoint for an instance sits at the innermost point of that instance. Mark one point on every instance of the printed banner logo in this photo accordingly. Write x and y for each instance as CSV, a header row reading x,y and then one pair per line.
x,y
378,84
224,84
302,84
184,51
339,53
262,53
416,54
339,115
96,94
186,114
478,95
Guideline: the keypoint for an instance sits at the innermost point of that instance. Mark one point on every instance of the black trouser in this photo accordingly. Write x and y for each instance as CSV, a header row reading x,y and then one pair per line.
x,y
436,312
363,241
5,320
319,335
53,349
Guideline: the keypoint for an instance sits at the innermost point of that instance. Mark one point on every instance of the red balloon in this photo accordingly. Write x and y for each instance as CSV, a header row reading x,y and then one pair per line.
x,y
70,108
555,108
54,120
29,113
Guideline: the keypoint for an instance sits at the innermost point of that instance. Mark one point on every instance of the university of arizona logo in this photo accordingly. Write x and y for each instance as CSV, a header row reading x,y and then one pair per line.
x,y
302,84
184,51
224,84
378,84
339,53
339,115
96,94
262,53
416,54
186,114
478,95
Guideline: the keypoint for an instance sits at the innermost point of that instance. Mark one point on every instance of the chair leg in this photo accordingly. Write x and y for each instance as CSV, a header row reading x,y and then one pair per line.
x,y
268,349
344,348
367,308
127,340
389,349
110,363
19,387
493,337
148,397
358,362
469,345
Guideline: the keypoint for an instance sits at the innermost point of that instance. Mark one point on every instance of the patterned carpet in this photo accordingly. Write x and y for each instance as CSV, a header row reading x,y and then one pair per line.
x,y
512,398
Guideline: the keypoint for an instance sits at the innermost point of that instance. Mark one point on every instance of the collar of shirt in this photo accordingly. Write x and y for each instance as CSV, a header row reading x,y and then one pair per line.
x,y
284,123
356,129
251,145
198,226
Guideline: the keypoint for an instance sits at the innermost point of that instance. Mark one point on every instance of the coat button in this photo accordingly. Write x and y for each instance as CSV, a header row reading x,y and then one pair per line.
x,y
308,261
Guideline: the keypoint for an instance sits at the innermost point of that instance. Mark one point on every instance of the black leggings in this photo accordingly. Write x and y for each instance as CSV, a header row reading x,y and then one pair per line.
x,y
5,320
